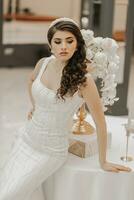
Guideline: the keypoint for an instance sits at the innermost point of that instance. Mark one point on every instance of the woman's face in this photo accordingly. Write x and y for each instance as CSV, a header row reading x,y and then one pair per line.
x,y
63,45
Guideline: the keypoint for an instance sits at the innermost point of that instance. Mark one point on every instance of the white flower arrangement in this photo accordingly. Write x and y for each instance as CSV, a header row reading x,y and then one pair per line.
x,y
102,53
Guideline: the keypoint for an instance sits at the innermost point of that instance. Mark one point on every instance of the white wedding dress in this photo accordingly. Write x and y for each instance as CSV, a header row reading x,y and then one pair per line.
x,y
42,147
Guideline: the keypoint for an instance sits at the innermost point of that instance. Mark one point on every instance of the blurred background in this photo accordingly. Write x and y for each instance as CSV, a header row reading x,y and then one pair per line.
x,y
23,28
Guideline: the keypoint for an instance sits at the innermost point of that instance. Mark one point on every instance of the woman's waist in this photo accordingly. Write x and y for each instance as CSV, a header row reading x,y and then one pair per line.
x,y
48,125
56,142
46,129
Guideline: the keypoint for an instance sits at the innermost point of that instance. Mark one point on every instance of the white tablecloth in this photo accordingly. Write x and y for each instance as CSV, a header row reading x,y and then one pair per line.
x,y
83,179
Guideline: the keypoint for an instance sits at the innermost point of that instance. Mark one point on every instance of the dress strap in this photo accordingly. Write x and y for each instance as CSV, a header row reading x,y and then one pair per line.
x,y
43,66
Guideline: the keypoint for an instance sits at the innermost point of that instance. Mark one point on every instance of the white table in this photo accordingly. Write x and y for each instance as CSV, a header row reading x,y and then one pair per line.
x,y
83,179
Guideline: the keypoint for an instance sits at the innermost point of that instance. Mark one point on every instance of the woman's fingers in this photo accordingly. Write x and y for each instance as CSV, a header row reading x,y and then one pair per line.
x,y
122,168
115,167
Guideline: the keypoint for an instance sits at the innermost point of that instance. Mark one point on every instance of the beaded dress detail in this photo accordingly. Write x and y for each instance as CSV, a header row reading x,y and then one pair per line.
x,y
49,128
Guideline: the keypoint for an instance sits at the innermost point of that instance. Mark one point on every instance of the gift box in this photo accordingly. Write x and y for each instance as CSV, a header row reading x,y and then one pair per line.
x,y
86,145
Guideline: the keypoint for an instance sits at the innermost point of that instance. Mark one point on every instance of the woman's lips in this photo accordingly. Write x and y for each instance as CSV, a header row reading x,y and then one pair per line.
x,y
63,53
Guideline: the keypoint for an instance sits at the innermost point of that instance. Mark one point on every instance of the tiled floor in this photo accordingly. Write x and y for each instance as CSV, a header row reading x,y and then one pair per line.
x,y
15,103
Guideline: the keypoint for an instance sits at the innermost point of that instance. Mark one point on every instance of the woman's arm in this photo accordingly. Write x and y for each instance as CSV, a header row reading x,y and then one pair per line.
x,y
31,78
92,99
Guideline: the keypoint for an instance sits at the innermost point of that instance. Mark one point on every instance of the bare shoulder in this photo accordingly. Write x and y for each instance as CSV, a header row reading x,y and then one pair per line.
x,y
89,81
89,87
36,69
89,68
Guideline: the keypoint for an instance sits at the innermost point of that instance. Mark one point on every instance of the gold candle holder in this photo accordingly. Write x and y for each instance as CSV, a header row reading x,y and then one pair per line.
x,y
82,127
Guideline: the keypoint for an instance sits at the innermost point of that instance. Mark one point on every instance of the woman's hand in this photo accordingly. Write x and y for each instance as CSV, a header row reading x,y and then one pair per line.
x,y
30,114
107,166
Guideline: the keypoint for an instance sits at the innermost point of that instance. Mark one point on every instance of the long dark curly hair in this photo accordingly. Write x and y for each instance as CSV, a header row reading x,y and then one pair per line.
x,y
73,74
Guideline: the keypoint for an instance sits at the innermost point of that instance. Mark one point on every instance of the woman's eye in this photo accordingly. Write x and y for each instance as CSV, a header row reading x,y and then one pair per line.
x,y
71,41
57,42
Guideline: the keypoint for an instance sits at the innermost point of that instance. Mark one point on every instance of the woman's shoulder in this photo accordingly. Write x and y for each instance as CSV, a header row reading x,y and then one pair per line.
x,y
88,82
90,70
89,67
37,68
40,61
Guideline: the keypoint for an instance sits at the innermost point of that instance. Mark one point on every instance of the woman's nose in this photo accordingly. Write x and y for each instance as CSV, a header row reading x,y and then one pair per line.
x,y
63,46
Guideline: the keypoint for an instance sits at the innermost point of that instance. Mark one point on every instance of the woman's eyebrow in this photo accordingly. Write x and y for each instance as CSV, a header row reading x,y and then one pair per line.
x,y
65,38
69,38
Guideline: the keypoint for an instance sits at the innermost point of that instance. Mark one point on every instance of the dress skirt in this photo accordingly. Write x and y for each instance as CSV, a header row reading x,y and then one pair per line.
x,y
25,170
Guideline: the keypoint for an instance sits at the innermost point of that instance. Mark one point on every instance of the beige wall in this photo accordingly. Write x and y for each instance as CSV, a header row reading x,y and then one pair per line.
x,y
72,8
66,8
120,15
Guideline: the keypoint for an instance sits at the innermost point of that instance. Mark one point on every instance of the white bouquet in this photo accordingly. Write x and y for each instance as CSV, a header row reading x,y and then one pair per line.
x,y
102,53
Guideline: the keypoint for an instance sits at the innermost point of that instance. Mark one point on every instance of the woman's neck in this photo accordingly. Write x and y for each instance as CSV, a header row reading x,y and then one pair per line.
x,y
59,65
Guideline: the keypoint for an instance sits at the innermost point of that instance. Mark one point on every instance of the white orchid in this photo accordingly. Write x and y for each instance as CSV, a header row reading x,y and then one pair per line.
x,y
102,53
88,35
112,67
109,46
100,58
97,42
89,54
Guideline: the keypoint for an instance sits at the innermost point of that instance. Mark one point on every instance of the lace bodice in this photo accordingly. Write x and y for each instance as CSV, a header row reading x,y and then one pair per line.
x,y
52,120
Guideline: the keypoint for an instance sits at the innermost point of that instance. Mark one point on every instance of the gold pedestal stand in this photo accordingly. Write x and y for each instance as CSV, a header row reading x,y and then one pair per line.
x,y
81,127
81,132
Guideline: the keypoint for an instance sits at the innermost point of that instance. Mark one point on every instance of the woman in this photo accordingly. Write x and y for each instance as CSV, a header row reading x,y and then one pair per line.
x,y
58,86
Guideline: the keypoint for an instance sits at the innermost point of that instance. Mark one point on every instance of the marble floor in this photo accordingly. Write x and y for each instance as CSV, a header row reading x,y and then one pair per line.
x,y
15,104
